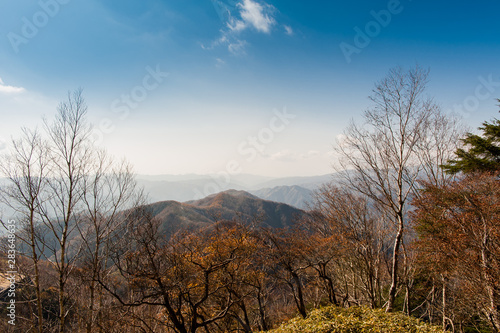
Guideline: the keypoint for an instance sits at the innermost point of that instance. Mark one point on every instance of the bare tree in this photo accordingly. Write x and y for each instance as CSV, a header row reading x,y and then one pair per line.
x,y
70,153
190,276
287,251
442,138
359,232
26,168
109,192
383,157
71,197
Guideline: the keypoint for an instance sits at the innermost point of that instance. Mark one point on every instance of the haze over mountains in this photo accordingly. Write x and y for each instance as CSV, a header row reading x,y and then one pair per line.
x,y
295,191
294,195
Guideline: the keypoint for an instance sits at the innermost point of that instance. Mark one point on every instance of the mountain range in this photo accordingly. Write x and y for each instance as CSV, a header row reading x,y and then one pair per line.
x,y
224,206
231,205
295,191
294,195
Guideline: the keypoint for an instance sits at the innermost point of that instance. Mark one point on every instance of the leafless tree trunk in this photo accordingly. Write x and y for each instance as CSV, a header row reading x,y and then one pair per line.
x,y
110,191
70,153
383,158
72,199
358,238
25,169
443,297
493,293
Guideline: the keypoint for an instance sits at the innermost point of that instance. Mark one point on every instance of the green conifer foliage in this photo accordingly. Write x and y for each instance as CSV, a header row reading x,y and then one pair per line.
x,y
481,152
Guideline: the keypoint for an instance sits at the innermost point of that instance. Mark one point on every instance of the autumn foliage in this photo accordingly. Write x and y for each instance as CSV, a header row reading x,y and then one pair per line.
x,y
459,238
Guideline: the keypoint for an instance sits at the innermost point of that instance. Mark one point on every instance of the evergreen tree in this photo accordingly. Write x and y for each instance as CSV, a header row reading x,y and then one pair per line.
x,y
481,153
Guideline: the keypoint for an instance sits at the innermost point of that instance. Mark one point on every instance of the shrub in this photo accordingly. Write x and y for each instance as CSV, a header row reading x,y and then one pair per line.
x,y
356,320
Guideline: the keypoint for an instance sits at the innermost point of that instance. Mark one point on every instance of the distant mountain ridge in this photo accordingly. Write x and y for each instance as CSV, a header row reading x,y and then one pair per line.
x,y
296,191
224,206
294,195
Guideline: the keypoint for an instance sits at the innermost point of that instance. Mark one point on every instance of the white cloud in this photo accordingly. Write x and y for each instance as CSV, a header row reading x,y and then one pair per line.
x,y
254,14
10,89
221,41
288,30
234,45
236,25
284,155
244,15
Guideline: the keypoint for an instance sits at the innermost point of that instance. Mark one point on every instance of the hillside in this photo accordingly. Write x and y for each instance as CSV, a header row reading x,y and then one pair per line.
x,y
228,205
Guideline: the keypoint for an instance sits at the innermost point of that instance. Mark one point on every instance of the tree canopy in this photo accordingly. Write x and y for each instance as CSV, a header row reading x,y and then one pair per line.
x,y
481,152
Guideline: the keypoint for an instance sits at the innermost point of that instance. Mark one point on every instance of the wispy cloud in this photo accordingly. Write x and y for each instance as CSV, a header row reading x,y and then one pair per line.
x,y
236,25
288,30
256,15
245,15
219,63
238,47
5,89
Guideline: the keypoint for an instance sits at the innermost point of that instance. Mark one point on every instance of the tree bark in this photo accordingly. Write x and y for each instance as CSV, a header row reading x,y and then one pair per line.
x,y
395,265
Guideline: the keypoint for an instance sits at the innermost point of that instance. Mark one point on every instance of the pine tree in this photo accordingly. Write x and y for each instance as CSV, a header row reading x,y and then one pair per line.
x,y
482,152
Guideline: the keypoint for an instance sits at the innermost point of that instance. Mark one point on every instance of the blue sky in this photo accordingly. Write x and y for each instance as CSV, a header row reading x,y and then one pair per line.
x,y
182,86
